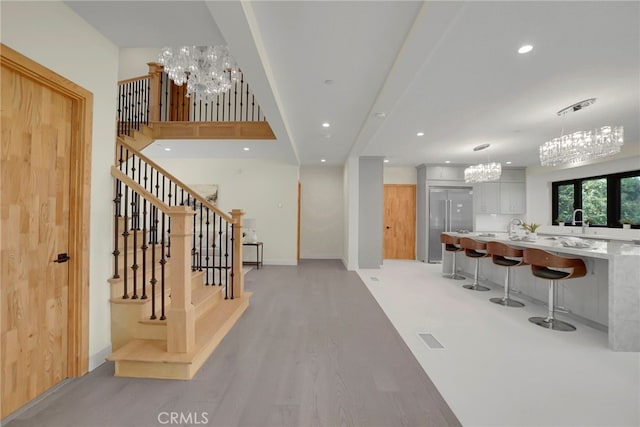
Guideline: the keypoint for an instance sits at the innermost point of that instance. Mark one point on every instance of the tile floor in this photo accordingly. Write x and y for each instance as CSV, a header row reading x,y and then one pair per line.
x,y
498,369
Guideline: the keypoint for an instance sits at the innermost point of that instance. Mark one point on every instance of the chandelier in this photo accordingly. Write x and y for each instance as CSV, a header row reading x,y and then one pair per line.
x,y
207,70
484,171
582,145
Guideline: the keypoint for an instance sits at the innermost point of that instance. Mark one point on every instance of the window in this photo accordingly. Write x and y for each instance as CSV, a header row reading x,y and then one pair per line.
x,y
606,200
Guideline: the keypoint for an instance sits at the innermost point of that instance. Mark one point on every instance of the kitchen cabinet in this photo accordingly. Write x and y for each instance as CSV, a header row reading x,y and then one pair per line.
x,y
512,197
486,197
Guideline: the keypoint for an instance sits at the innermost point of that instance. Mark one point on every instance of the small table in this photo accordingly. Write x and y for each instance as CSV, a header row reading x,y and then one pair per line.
x,y
259,254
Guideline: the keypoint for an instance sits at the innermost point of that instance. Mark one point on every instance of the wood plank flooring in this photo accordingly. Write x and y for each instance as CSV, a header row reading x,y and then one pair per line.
x,y
313,349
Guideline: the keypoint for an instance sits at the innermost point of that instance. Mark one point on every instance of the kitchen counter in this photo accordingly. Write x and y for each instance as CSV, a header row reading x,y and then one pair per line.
x,y
618,270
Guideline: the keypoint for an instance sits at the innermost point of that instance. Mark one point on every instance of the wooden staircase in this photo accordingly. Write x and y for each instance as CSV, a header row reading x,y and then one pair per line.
x,y
166,332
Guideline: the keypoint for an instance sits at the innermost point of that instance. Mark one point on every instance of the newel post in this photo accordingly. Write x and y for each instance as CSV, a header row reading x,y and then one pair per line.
x,y
155,91
238,276
181,318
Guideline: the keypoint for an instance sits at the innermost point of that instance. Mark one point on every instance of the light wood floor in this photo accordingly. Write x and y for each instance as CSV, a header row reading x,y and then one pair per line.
x,y
313,349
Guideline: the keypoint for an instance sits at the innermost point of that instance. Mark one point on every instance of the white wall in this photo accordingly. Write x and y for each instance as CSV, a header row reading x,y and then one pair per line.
x,y
400,175
54,36
265,190
321,214
351,212
539,183
133,61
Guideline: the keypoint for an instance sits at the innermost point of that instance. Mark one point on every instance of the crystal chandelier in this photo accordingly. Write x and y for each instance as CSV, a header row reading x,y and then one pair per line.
x,y
207,70
582,145
484,171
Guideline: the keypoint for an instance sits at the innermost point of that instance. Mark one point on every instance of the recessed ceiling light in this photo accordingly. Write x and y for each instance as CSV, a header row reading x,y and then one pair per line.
x,y
525,49
246,149
326,125
323,160
386,160
420,133
447,161
508,163
167,149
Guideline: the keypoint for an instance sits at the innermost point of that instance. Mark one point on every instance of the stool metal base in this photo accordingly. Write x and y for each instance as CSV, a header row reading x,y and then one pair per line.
x,y
453,276
555,324
474,287
507,302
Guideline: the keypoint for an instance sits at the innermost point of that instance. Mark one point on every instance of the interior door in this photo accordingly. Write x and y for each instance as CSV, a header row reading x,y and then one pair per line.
x,y
399,221
35,190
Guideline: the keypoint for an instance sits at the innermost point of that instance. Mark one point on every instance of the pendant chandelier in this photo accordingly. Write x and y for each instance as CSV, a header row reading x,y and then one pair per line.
x,y
484,171
207,70
582,145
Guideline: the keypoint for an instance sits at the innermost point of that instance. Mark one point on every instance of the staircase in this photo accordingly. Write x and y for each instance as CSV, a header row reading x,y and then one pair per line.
x,y
177,287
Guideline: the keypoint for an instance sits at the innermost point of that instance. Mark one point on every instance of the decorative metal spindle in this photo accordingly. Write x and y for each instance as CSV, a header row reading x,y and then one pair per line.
x,y
144,248
163,261
146,178
194,253
119,110
130,109
125,238
217,107
235,100
246,117
200,240
134,266
220,265
253,106
206,245
116,217
157,183
167,105
226,257
146,97
154,281
229,107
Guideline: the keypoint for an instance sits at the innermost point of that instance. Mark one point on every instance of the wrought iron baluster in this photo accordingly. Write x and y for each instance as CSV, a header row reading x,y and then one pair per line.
x,y
154,281
230,275
163,262
134,266
220,266
145,246
208,267
125,236
116,240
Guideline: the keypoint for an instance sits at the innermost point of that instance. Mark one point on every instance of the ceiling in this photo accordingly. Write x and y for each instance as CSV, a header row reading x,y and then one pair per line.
x,y
380,72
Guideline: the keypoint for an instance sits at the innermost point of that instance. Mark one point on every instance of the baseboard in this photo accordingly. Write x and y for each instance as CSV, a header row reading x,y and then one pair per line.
x,y
280,262
99,358
321,257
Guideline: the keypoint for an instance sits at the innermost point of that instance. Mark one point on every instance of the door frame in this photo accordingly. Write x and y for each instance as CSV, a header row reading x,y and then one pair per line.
x,y
79,201
415,222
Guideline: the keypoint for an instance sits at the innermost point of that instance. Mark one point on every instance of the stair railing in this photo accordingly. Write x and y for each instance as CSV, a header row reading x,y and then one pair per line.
x,y
154,98
177,231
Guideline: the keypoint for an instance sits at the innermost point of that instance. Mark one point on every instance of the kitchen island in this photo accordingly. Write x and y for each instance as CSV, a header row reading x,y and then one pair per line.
x,y
608,295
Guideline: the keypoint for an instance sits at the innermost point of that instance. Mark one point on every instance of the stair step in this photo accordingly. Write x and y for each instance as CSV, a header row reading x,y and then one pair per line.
x,y
143,358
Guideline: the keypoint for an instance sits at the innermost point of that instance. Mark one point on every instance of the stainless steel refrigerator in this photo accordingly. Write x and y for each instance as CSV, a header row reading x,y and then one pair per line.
x,y
450,209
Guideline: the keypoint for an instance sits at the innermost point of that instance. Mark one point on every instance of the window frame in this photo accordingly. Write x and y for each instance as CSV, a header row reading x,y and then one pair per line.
x,y
614,197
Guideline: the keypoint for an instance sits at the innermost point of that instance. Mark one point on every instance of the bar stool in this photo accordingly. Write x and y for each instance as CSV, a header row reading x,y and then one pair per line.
x,y
499,253
540,262
451,244
472,249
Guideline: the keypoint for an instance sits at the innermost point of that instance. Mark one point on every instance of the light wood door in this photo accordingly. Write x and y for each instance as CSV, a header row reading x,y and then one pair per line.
x,y
399,221
35,191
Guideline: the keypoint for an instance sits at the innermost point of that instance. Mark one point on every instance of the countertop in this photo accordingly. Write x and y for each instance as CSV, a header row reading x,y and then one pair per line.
x,y
599,248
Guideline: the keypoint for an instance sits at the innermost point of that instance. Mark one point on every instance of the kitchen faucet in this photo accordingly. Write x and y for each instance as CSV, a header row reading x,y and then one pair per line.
x,y
514,221
582,223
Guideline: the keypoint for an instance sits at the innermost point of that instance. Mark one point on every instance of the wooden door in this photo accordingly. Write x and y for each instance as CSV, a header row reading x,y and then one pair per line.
x,y
180,105
399,221
36,144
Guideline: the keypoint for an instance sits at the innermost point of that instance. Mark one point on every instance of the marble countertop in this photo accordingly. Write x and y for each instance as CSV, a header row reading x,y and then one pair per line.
x,y
598,249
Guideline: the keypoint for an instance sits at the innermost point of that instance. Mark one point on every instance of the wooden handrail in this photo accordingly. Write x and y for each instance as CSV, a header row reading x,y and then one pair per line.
x,y
133,79
198,197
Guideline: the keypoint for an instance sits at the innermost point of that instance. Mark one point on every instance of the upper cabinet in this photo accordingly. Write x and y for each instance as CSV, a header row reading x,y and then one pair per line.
x,y
507,196
512,197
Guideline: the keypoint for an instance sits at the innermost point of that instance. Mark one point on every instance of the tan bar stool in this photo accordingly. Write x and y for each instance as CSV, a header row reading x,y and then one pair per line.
x,y
503,255
540,262
451,244
474,249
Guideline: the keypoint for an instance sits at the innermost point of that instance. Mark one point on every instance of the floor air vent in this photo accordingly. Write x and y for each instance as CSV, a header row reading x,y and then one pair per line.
x,y
431,341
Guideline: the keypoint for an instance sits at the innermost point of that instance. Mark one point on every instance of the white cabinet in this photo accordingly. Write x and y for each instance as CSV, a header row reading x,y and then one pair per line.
x,y
486,197
445,173
512,197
